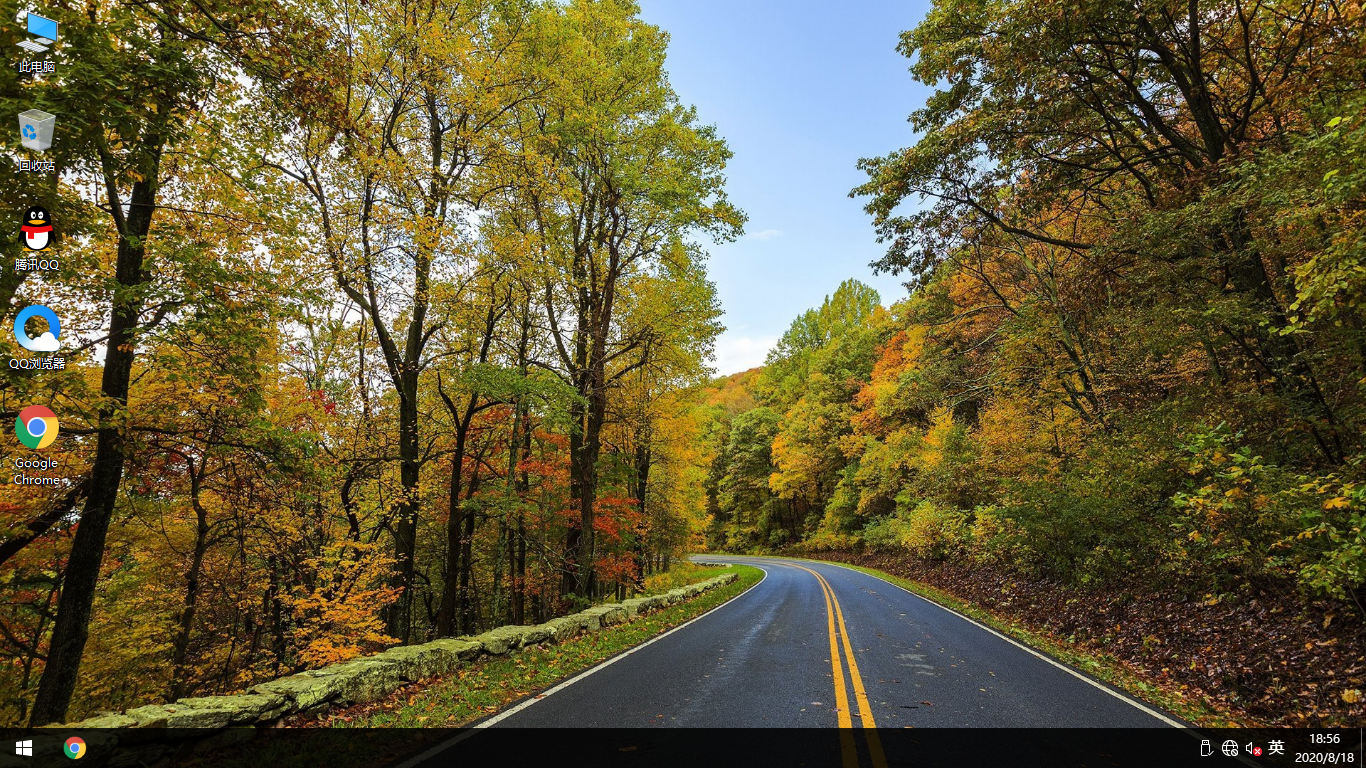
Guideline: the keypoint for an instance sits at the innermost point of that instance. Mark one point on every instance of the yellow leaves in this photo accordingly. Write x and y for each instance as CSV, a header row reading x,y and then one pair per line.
x,y
1338,502
1351,695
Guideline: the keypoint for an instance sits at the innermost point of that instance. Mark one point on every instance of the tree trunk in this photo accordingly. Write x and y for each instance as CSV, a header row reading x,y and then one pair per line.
x,y
446,615
405,517
180,645
465,603
70,631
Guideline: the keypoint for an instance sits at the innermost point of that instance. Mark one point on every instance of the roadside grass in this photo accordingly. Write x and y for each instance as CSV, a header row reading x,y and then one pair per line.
x,y
471,693
492,683
1097,664
680,573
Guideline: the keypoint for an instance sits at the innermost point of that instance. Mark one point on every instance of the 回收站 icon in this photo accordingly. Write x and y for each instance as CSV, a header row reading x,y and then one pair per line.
x,y
43,29
35,129
47,341
37,228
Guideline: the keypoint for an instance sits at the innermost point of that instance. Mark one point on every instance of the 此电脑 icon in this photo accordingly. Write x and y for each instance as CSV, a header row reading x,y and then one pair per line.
x,y
35,129
49,340
36,427
44,31
37,228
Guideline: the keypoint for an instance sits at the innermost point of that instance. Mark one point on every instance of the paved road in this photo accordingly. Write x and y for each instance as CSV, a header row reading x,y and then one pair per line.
x,y
818,645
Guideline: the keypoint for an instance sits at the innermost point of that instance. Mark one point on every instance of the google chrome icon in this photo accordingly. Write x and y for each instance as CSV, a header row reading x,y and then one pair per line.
x,y
75,748
36,428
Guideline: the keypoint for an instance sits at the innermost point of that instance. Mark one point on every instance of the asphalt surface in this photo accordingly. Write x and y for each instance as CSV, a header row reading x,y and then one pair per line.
x,y
763,660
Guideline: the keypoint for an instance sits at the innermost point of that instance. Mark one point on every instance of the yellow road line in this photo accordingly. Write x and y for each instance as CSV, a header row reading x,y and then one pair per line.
x,y
865,708
848,750
865,712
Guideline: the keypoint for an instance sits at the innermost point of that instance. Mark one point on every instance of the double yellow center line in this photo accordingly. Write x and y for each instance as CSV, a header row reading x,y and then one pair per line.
x,y
835,616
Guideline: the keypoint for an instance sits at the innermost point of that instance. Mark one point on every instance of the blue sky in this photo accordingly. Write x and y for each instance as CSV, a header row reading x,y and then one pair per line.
x,y
800,90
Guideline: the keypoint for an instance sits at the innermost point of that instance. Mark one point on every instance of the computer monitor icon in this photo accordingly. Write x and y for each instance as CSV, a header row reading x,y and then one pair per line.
x,y
42,28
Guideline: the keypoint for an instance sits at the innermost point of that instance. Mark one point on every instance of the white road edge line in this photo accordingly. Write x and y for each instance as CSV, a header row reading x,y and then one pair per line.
x,y
474,729
1131,702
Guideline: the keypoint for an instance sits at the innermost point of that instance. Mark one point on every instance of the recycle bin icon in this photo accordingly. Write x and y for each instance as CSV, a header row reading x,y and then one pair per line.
x,y
35,129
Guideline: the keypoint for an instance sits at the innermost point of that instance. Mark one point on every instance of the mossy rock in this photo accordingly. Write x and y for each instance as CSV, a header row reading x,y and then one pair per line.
x,y
502,639
563,628
366,679
305,690
239,709
605,615
105,720
463,648
634,607
419,662
535,634
150,716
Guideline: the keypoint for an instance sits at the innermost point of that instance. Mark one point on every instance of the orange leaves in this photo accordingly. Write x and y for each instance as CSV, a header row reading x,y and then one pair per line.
x,y
338,617
614,516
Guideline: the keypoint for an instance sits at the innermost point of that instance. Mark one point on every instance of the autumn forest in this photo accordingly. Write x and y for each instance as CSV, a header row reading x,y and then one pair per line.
x,y
392,321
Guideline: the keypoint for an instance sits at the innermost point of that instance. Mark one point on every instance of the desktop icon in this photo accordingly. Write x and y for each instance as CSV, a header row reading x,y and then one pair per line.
x,y
37,228
47,341
43,29
75,748
35,129
36,427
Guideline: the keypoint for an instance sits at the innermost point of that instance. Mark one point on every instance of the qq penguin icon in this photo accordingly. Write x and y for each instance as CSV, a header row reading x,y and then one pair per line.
x,y
37,228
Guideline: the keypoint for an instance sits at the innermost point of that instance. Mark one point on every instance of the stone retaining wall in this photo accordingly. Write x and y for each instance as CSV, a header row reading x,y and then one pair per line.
x,y
221,719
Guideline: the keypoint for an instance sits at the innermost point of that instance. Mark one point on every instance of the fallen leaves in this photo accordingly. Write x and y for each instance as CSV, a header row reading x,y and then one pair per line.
x,y
1229,650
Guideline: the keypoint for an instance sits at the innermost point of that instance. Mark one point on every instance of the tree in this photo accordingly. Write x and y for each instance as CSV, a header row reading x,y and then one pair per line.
x,y
392,176
164,79
626,174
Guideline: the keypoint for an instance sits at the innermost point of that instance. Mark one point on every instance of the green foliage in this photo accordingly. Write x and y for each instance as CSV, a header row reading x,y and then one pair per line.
x,y
1334,531
1133,350
924,528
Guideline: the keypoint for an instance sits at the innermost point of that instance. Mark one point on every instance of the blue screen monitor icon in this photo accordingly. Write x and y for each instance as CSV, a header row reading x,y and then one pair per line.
x,y
43,28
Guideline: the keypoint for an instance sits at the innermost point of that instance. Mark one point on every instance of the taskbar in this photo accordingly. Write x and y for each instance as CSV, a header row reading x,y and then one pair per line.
x,y
659,746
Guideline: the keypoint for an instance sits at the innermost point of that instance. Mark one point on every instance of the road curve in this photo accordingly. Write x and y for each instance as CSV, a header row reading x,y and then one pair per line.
x,y
764,659
821,645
